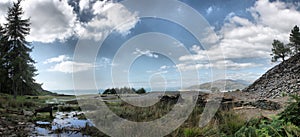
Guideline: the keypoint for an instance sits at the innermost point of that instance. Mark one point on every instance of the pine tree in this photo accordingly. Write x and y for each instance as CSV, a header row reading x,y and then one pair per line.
x,y
280,51
3,51
295,39
21,68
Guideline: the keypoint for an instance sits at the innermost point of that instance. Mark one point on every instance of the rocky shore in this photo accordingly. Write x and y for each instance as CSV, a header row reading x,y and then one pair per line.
x,y
10,122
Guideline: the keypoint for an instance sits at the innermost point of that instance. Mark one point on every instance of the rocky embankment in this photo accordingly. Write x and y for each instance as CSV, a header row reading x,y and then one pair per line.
x,y
228,102
282,79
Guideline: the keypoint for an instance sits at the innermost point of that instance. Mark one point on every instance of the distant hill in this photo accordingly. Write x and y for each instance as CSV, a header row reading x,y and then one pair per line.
x,y
230,85
283,78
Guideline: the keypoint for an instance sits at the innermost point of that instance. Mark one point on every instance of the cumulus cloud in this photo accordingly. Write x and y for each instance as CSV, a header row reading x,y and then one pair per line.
x,y
84,4
241,38
53,20
65,64
109,16
278,15
71,67
147,53
3,9
50,20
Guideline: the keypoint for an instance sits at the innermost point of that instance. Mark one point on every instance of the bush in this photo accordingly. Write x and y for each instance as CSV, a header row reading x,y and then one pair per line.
x,y
292,111
265,127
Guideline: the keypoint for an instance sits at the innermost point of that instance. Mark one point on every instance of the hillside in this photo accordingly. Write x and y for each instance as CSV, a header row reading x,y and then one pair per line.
x,y
230,85
281,79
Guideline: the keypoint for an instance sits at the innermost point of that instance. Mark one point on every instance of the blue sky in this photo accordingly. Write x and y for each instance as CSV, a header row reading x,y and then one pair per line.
x,y
241,41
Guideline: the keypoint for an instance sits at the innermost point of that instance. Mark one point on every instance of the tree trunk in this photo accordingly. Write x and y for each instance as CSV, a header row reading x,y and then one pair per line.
x,y
15,89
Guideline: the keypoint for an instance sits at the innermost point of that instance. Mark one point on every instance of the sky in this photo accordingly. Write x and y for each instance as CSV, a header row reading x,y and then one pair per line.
x,y
112,44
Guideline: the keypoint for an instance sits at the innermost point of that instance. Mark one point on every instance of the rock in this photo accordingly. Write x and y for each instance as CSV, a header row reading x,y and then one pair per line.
x,y
2,129
266,104
283,78
21,123
27,113
11,127
171,98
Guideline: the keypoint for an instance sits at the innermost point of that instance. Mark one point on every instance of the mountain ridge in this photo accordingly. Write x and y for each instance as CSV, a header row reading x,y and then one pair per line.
x,y
229,84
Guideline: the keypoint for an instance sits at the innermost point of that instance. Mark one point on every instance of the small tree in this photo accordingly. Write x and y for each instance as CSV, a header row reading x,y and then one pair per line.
x,y
280,51
110,91
141,91
295,40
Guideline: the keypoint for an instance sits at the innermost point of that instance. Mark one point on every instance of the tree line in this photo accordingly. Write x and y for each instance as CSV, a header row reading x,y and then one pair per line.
x,y
17,70
282,51
124,90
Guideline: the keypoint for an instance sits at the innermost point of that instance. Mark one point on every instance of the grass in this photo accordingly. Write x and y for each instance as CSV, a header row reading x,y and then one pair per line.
x,y
140,114
21,102
45,117
224,123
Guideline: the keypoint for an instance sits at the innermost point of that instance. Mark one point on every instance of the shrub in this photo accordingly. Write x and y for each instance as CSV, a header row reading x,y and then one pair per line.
x,y
264,127
292,111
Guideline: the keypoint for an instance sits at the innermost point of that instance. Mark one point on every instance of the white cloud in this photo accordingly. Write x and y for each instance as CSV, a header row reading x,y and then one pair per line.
x,y
60,58
108,17
104,62
209,10
221,64
147,53
162,70
3,10
164,67
248,76
71,67
50,20
65,64
278,15
84,4
240,38
53,20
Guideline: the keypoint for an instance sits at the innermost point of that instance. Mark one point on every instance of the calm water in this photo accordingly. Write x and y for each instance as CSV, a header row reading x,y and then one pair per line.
x,y
85,92
63,120
77,92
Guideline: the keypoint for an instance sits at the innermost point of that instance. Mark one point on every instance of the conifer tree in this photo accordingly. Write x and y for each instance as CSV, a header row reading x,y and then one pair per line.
x,y
280,51
21,68
295,40
3,51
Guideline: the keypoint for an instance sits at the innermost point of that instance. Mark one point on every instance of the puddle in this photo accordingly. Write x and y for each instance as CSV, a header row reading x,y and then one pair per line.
x,y
67,123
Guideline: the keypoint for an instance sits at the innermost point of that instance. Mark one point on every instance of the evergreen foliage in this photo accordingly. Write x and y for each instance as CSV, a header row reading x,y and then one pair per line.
x,y
17,66
280,51
295,40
